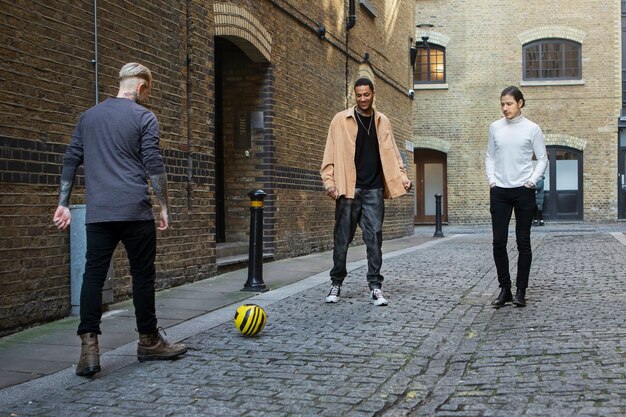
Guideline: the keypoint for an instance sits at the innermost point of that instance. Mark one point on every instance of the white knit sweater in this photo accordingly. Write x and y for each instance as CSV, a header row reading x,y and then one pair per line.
x,y
510,151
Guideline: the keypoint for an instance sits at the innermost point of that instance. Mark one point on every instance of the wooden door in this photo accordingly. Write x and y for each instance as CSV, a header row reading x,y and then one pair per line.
x,y
431,179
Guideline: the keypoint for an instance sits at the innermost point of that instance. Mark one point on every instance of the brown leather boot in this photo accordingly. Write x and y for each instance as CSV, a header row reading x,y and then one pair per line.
x,y
153,347
89,362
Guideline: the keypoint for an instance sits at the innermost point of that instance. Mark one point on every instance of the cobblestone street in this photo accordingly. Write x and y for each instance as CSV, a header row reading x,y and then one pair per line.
x,y
438,349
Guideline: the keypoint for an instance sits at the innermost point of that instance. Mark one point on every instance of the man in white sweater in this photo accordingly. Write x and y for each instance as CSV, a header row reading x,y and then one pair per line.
x,y
512,178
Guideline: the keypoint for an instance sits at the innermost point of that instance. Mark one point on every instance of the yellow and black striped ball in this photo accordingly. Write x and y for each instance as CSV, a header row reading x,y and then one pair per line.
x,y
250,319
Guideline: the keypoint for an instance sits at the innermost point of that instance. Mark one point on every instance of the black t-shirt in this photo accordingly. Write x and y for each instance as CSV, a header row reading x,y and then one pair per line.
x,y
367,155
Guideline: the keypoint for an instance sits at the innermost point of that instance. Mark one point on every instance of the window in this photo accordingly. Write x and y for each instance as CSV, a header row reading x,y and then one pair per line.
x,y
430,64
552,59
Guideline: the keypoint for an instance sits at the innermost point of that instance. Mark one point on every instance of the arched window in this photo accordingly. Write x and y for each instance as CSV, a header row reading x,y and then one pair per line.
x,y
430,64
552,59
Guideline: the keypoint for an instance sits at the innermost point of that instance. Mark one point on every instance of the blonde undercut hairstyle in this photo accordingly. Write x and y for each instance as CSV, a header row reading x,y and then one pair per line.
x,y
133,73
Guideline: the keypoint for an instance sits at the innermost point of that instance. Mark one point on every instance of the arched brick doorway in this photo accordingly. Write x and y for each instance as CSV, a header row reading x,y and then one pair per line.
x,y
430,179
243,128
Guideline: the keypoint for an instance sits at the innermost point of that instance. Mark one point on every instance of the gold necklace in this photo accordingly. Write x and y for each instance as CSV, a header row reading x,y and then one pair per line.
x,y
363,124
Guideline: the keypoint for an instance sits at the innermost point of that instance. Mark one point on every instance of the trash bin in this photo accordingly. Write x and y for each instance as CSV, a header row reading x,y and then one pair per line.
x,y
78,249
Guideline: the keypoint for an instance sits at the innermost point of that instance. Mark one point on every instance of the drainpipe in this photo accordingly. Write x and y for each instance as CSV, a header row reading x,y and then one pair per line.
x,y
350,22
351,16
188,30
95,43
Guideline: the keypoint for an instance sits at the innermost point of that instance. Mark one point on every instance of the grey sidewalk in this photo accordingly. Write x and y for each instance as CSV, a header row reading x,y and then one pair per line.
x,y
438,349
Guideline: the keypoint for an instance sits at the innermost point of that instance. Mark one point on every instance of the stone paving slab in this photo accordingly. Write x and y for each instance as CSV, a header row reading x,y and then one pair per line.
x,y
438,349
561,355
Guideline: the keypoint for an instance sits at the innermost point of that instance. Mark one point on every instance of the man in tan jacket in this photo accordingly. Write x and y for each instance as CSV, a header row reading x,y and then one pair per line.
x,y
362,166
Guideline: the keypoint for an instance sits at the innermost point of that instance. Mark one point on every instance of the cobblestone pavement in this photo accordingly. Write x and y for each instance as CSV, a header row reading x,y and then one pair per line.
x,y
438,349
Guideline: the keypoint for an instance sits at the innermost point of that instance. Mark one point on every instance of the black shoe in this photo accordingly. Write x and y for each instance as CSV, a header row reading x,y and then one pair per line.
x,y
504,297
520,297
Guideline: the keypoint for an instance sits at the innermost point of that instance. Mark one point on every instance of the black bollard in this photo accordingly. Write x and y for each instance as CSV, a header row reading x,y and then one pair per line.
x,y
255,256
438,232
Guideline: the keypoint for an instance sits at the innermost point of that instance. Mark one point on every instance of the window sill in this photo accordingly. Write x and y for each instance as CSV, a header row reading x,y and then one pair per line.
x,y
432,86
551,83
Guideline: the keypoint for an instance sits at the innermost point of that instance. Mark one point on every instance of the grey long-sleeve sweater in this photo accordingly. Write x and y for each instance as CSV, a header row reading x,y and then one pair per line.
x,y
118,142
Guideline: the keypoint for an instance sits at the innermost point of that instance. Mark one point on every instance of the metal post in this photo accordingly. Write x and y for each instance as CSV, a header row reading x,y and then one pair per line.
x,y
255,256
438,232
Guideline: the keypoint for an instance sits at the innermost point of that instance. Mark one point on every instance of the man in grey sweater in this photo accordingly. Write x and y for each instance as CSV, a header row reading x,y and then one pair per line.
x,y
117,141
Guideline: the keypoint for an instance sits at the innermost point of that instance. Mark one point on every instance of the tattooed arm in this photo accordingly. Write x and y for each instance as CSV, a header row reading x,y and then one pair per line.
x,y
153,162
72,159
62,217
159,185
66,191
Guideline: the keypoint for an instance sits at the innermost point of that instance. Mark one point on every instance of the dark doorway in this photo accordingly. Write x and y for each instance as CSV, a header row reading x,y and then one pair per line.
x,y
240,151
220,220
621,164
563,184
621,177
430,179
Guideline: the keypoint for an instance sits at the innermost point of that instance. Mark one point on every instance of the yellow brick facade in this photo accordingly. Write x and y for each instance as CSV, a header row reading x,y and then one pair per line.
x,y
483,42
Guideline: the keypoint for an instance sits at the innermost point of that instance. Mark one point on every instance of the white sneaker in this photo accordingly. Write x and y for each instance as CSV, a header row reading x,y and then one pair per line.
x,y
333,294
377,297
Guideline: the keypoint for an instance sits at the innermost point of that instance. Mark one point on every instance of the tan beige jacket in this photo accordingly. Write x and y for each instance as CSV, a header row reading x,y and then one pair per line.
x,y
338,168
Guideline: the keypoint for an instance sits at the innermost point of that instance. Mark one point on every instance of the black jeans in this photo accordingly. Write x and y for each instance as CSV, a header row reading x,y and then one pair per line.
x,y
502,203
367,208
139,239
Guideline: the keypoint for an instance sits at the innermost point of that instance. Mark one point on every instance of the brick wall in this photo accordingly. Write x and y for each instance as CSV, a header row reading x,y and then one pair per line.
x,y
484,55
47,80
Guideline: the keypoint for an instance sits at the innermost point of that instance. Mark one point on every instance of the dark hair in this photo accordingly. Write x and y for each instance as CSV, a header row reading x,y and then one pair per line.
x,y
515,93
364,81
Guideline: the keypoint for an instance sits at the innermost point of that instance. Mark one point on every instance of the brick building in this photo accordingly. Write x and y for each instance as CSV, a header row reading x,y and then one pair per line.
x,y
244,91
565,57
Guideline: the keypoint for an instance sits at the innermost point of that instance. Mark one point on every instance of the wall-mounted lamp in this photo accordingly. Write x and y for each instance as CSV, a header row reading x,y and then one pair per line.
x,y
423,30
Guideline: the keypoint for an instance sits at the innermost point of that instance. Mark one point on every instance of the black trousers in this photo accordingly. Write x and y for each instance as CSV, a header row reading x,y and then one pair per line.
x,y
367,209
503,201
139,239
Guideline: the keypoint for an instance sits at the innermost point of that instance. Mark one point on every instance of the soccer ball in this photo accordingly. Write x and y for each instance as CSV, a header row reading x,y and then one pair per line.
x,y
250,319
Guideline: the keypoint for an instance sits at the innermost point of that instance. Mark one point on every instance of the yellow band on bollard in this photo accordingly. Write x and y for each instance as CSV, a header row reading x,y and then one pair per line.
x,y
256,203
